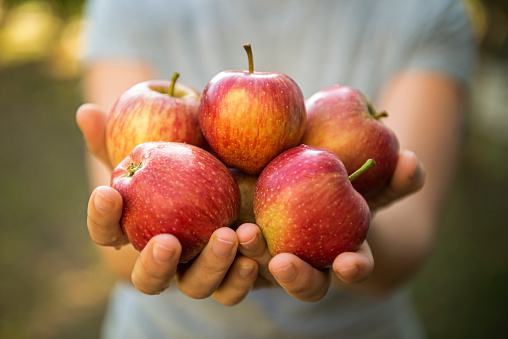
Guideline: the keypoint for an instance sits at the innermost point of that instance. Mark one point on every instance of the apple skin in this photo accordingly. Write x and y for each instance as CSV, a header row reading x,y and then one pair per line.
x,y
249,118
247,185
305,204
146,112
175,188
342,119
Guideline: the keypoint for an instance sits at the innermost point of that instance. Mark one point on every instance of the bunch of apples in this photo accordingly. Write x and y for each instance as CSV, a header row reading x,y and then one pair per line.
x,y
249,148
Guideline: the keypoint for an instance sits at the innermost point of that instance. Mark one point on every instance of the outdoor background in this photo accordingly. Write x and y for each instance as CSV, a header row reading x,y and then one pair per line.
x,y
52,284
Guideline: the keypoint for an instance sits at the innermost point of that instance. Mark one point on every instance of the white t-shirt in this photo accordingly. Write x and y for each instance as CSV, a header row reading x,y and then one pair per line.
x,y
360,43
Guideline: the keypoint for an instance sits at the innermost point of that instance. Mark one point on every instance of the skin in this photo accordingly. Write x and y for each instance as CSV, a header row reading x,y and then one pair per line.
x,y
424,112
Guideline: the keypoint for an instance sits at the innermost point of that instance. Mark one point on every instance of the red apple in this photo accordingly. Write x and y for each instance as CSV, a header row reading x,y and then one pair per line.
x,y
342,119
247,185
149,112
305,204
248,117
175,188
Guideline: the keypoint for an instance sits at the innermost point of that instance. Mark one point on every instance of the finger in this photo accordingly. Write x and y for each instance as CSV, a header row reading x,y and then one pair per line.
x,y
253,245
91,121
238,282
354,267
409,177
204,275
103,217
156,264
298,278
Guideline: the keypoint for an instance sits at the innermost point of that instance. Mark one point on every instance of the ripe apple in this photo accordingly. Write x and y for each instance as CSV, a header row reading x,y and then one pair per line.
x,y
154,110
250,117
304,204
175,188
247,185
342,119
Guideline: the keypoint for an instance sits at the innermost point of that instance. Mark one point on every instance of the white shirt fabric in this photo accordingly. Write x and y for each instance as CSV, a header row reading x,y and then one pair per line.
x,y
360,43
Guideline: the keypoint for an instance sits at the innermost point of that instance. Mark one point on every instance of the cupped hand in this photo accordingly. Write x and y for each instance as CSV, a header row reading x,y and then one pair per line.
x,y
297,277
215,272
218,271
306,283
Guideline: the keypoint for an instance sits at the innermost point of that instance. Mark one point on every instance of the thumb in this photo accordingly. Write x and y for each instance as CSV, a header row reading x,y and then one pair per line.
x,y
408,178
91,120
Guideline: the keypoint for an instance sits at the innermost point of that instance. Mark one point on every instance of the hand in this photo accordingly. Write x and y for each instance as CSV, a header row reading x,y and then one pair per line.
x,y
91,120
304,282
229,279
408,178
298,278
216,271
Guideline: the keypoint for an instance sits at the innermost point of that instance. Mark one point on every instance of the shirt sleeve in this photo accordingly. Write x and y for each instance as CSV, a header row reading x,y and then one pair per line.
x,y
446,43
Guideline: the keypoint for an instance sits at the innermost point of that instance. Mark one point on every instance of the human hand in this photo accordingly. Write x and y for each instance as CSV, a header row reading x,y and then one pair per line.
x,y
231,278
408,178
304,282
91,120
297,277
216,271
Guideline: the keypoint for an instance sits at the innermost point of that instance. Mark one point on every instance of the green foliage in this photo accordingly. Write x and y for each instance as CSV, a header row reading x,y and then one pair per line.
x,y
65,8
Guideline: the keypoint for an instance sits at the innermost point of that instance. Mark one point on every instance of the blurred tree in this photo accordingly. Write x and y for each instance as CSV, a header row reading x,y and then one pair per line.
x,y
65,8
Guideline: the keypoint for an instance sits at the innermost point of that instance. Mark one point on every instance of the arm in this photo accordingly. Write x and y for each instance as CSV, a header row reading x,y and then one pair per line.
x,y
425,110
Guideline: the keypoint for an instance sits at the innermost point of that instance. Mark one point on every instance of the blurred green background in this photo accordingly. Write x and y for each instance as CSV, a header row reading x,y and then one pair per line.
x,y
52,284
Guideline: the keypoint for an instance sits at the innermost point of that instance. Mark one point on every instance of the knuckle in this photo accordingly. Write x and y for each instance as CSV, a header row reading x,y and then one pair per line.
x,y
102,235
193,292
146,291
96,232
214,269
229,301
141,285
306,294
148,284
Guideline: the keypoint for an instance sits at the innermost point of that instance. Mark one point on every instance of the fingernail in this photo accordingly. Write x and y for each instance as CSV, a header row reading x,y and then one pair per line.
x,y
285,274
246,271
102,203
349,272
222,248
251,244
162,254
415,161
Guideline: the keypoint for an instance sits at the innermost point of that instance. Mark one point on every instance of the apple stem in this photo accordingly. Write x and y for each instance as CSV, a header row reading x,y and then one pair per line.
x,y
172,85
382,114
248,49
132,169
373,112
368,164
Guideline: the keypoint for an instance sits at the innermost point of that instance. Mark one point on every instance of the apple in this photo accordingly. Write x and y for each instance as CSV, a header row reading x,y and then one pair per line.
x,y
175,188
342,119
247,185
153,110
250,117
305,204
